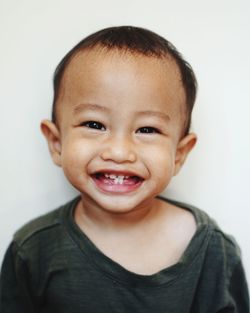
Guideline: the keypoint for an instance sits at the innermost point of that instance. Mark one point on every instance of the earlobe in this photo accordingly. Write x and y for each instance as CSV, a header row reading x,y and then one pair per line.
x,y
52,135
184,147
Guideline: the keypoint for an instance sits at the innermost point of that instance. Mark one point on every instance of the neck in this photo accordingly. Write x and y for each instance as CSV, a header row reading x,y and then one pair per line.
x,y
89,214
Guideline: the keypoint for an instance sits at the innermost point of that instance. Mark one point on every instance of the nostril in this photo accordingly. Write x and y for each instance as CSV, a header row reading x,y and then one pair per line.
x,y
118,154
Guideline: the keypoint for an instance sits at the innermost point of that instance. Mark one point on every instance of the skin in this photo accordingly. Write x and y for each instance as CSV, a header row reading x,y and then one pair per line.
x,y
138,106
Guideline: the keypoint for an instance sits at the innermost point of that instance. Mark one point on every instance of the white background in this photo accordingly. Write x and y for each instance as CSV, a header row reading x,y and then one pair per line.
x,y
213,36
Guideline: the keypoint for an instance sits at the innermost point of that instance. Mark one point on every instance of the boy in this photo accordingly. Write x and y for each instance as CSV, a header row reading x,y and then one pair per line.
x,y
120,131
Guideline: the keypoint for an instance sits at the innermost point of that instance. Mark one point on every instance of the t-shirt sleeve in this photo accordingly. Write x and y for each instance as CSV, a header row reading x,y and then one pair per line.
x,y
238,291
15,296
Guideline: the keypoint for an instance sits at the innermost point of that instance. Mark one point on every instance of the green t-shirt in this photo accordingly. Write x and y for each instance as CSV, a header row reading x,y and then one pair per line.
x,y
52,266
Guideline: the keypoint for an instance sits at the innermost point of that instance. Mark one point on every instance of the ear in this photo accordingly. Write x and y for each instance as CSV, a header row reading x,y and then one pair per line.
x,y
184,147
52,135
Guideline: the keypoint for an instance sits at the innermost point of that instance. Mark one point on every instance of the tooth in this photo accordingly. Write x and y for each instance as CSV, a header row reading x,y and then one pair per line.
x,y
120,179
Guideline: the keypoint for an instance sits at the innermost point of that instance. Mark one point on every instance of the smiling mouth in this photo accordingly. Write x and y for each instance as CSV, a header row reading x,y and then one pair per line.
x,y
117,179
117,182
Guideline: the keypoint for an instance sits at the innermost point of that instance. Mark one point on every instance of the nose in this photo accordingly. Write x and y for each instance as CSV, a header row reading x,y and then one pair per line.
x,y
119,150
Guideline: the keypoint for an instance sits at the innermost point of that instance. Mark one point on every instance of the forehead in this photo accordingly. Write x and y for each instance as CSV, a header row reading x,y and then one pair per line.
x,y
102,59
122,77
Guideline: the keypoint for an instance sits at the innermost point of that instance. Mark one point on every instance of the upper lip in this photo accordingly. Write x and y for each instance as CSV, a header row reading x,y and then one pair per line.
x,y
117,172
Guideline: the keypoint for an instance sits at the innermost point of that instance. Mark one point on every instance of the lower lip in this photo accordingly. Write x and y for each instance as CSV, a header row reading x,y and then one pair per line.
x,y
107,185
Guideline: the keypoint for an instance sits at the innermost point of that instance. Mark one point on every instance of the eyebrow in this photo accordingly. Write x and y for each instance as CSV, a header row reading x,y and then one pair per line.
x,y
91,107
97,107
155,114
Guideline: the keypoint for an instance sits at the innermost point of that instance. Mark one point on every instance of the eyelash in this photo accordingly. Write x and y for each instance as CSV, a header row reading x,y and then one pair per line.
x,y
101,127
148,130
94,125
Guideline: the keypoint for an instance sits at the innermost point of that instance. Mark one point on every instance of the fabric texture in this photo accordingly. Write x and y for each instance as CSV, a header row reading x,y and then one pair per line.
x,y
52,266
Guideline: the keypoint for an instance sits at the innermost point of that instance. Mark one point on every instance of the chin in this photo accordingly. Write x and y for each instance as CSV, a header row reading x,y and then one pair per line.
x,y
117,207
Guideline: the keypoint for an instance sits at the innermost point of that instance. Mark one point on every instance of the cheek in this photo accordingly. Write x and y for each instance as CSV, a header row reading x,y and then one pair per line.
x,y
71,154
75,156
161,161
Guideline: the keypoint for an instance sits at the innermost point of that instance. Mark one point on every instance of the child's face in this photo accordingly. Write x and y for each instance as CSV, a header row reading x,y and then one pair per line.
x,y
120,119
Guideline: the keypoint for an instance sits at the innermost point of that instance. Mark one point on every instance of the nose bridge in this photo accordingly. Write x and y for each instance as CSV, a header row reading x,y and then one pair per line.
x,y
119,148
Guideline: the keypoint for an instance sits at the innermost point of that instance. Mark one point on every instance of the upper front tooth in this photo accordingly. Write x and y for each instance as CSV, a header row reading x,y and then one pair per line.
x,y
120,180
117,178
113,176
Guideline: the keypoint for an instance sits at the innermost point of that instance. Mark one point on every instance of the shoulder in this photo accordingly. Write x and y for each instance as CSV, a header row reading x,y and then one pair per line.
x,y
41,247
223,251
218,266
220,245
41,225
37,225
222,269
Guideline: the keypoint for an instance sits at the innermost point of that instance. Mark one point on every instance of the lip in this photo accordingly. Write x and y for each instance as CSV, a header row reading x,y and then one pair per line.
x,y
107,185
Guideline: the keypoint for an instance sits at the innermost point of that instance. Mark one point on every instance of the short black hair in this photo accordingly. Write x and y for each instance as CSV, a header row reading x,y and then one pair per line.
x,y
134,40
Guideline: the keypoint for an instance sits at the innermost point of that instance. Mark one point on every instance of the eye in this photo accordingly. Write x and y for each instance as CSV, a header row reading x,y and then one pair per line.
x,y
148,130
93,125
